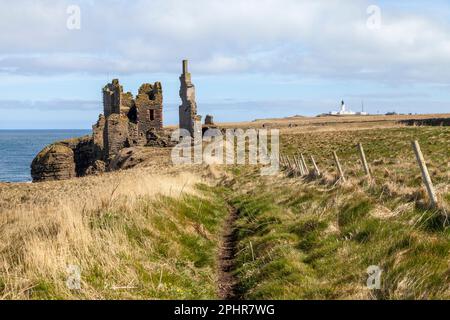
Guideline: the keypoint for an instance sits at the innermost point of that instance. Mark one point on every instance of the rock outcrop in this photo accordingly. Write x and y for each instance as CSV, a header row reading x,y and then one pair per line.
x,y
160,138
68,159
55,162
126,159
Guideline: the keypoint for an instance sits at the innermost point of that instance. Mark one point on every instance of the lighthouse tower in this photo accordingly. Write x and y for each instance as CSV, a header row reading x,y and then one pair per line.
x,y
343,108
343,111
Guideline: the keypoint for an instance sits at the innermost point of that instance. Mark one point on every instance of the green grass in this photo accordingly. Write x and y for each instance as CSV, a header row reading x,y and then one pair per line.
x,y
385,149
302,239
288,248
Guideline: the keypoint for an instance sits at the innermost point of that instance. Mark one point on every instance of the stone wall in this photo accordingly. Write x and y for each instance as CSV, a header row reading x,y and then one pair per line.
x,y
427,122
112,95
149,108
98,137
116,135
209,120
188,109
126,103
128,121
115,101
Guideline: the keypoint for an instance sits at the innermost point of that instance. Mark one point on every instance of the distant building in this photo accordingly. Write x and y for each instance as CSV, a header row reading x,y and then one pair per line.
x,y
346,112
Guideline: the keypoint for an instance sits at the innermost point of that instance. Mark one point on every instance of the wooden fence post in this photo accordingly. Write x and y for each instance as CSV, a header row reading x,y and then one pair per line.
x,y
282,162
316,168
299,166
304,164
425,174
338,165
289,165
294,164
364,161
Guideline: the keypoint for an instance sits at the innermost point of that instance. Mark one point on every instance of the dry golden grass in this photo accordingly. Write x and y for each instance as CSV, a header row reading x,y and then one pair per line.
x,y
110,226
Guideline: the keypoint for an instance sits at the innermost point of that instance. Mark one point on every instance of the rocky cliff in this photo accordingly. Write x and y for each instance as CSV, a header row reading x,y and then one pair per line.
x,y
68,159
55,162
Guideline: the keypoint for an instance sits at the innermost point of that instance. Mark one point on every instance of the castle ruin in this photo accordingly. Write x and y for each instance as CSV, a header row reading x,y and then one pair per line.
x,y
188,108
209,120
126,122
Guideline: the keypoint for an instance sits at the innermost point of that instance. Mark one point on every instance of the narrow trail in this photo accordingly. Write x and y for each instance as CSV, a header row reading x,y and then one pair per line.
x,y
227,280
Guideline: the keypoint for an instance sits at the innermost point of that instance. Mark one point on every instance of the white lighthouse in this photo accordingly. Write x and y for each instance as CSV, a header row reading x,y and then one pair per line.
x,y
343,108
344,111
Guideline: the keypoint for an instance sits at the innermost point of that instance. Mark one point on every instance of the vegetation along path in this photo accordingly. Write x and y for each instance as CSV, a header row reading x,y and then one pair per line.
x,y
227,255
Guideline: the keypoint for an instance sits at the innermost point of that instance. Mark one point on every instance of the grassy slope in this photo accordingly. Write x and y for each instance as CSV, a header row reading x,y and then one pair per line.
x,y
303,239
156,234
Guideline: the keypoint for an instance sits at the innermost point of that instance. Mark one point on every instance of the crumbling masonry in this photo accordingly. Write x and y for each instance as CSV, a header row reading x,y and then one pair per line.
x,y
188,108
129,121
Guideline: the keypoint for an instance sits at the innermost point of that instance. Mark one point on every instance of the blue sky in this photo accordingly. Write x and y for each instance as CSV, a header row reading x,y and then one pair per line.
x,y
249,59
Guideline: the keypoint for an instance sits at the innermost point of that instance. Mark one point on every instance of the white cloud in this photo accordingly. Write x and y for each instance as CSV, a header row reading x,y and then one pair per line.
x,y
58,104
324,38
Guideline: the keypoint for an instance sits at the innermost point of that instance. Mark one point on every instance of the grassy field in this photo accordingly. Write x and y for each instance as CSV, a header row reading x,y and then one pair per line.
x,y
388,151
155,232
302,238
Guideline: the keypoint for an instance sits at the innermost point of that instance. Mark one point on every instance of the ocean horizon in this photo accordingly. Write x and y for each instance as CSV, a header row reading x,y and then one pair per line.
x,y
19,147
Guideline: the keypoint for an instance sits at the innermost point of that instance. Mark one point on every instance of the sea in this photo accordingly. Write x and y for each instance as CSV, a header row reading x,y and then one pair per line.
x,y
19,147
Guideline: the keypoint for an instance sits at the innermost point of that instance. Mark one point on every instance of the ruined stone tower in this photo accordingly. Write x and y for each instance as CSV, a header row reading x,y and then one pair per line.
x,y
129,121
209,120
115,101
188,109
149,113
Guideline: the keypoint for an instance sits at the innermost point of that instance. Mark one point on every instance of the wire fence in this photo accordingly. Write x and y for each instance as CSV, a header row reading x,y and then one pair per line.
x,y
297,165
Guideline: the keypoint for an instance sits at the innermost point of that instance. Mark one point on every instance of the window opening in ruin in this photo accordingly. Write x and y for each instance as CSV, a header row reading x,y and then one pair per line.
x,y
152,115
132,114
